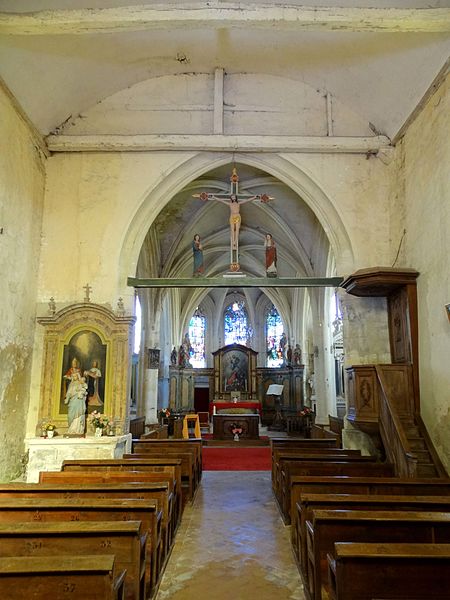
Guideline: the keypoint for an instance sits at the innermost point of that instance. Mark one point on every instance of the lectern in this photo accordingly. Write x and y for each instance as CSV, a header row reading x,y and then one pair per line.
x,y
276,390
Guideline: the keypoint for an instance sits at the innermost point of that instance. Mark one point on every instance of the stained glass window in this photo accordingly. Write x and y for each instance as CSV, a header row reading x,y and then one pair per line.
x,y
197,336
236,326
274,333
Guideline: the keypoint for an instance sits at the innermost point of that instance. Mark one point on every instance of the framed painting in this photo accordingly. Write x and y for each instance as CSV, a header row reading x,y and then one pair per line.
x,y
153,358
86,354
235,370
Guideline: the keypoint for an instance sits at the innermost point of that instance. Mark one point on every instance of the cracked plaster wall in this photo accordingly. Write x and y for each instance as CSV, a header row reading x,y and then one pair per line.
x,y
424,175
21,204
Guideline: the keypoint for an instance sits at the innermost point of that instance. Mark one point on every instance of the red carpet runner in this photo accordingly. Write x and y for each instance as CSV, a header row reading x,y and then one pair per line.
x,y
236,459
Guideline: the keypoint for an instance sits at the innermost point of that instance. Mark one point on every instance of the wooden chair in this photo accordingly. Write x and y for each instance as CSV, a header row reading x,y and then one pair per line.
x,y
191,422
204,420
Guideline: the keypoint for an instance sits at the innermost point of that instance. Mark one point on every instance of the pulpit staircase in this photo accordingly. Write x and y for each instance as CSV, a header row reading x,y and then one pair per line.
x,y
404,435
428,464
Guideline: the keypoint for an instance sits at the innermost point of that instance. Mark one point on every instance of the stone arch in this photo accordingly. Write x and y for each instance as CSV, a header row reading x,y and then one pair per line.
x,y
278,166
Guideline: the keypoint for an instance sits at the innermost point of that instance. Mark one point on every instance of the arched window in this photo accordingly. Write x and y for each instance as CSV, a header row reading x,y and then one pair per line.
x,y
274,333
237,330
197,336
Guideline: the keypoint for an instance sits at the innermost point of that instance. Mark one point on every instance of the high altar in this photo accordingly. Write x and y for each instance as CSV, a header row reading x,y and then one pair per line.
x,y
236,382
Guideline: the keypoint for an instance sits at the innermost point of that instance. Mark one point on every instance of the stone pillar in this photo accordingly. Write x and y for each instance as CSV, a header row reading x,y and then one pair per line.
x,y
151,395
321,375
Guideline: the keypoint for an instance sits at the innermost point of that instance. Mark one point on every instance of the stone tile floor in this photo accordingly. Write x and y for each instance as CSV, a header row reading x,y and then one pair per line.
x,y
232,544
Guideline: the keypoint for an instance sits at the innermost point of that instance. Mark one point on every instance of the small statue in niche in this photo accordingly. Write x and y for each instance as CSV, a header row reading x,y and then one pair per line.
x,y
173,357
282,347
186,351
297,355
289,355
76,399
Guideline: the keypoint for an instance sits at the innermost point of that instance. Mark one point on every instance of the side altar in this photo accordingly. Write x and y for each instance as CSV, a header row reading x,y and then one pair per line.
x,y
48,454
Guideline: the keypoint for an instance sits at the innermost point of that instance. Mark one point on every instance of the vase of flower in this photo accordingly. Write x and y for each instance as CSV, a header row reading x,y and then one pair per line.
x,y
236,437
99,422
50,433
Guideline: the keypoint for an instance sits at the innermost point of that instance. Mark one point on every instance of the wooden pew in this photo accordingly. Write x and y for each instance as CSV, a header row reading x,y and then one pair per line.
x,y
302,443
143,492
412,571
171,466
309,502
175,448
44,577
329,526
125,540
314,454
361,485
190,445
348,467
48,510
159,492
188,474
162,491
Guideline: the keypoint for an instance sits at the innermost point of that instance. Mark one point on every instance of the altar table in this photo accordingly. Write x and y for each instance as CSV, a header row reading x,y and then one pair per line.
x,y
222,405
224,424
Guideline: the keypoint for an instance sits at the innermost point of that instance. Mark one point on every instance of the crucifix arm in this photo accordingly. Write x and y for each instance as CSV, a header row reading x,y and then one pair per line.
x,y
263,197
207,196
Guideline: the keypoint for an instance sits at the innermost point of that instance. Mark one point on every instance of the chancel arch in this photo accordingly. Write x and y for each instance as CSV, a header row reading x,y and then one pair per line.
x,y
302,244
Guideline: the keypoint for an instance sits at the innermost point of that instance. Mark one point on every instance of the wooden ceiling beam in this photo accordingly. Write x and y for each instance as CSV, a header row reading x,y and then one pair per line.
x,y
216,143
215,15
235,281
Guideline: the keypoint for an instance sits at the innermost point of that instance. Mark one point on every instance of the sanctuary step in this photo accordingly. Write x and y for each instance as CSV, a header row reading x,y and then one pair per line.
x,y
231,443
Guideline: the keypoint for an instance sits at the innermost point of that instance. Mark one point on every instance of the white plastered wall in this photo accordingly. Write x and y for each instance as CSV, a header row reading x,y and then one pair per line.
x,y
21,200
424,178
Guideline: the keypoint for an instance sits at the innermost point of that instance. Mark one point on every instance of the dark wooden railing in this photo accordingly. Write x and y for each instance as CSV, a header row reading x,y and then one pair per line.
x,y
392,433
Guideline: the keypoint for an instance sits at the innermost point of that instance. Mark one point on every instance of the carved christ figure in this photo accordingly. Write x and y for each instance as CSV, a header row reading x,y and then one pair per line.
x,y
234,202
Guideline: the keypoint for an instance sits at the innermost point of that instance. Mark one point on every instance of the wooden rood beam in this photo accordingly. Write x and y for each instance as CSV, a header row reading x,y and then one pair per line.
x,y
216,143
230,281
212,15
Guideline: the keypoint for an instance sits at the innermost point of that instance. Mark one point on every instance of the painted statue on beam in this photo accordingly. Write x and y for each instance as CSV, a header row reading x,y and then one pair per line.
x,y
271,256
197,251
234,200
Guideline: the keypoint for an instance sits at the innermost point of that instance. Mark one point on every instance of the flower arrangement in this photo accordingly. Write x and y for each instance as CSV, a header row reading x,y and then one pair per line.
x,y
49,427
164,413
235,430
305,412
99,420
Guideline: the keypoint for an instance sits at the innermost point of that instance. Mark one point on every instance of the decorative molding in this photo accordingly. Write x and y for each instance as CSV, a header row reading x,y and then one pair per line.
x,y
217,143
220,15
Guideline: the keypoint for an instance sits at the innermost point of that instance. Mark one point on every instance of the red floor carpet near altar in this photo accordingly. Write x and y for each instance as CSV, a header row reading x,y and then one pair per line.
x,y
236,459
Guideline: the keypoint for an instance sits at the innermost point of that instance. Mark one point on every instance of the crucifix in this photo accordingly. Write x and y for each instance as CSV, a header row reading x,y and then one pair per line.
x,y
233,200
87,288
